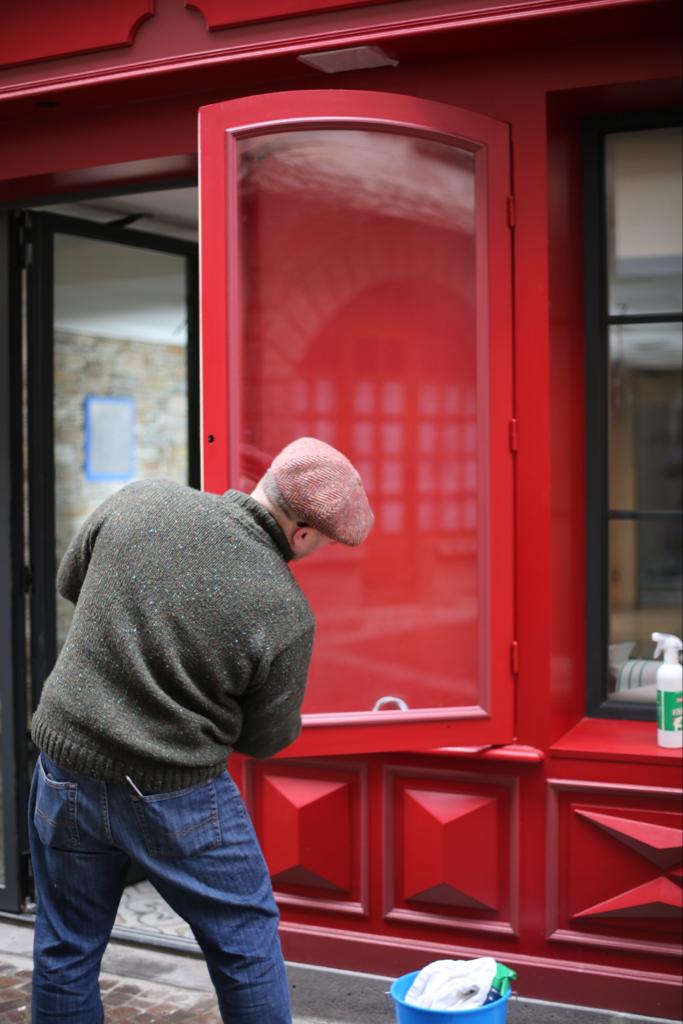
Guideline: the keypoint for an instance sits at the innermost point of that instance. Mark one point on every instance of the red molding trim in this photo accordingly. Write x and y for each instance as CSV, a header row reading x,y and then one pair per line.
x,y
616,787
608,942
104,176
218,14
311,41
517,753
39,31
387,718
303,903
415,917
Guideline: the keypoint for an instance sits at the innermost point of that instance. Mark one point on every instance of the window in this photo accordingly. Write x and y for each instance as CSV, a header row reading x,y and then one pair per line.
x,y
367,246
633,392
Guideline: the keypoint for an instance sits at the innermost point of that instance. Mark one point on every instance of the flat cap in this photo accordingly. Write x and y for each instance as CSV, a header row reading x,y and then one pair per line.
x,y
322,488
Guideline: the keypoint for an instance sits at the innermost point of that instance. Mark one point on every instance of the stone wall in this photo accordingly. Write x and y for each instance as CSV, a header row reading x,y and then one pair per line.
x,y
155,375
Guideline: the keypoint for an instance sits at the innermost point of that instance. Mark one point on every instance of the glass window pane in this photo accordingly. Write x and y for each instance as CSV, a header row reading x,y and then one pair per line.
x,y
645,381
2,815
354,245
644,220
645,586
120,345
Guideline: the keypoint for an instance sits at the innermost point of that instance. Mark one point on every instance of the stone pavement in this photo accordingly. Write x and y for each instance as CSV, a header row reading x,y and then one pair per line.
x,y
142,1002
152,986
138,984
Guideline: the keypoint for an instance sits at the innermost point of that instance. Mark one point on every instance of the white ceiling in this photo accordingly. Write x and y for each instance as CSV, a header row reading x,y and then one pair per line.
x,y
173,212
113,290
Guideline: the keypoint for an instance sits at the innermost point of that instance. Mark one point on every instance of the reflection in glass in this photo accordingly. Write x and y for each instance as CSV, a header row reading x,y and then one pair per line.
x,y
645,382
645,595
358,270
645,241
643,176
120,331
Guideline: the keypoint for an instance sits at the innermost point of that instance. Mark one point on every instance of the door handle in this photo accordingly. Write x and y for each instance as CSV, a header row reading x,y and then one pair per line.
x,y
382,702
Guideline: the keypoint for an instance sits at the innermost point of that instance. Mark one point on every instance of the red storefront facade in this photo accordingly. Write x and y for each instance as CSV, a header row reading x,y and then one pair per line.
x,y
454,791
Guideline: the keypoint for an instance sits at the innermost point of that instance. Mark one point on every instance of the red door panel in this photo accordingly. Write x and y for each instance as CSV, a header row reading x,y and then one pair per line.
x,y
356,287
311,819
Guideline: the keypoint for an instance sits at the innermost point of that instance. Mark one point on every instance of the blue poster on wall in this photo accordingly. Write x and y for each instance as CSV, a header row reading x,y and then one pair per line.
x,y
109,438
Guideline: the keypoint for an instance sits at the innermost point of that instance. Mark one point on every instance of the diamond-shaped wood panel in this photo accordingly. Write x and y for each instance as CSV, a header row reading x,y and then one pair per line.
x,y
451,843
310,820
456,860
615,866
303,847
662,844
658,898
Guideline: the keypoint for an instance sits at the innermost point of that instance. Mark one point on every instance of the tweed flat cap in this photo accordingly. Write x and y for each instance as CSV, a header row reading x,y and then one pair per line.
x,y
322,488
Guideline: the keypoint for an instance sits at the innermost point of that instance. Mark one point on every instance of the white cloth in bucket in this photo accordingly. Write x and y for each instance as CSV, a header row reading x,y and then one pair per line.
x,y
452,984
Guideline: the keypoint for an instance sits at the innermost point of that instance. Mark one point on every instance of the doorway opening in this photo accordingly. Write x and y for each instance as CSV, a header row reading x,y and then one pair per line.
x,y
109,368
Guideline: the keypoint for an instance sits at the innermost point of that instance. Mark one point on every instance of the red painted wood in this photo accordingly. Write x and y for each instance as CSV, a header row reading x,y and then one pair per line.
x,y
109,176
372,652
515,753
661,844
311,821
625,901
451,856
658,898
451,849
226,13
305,819
605,739
37,30
542,83
177,45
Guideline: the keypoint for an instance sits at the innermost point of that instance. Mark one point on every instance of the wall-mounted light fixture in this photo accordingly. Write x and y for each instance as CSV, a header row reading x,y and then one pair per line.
x,y
351,58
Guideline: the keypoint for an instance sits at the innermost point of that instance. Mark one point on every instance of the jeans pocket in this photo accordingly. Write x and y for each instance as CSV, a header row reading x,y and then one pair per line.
x,y
56,810
181,823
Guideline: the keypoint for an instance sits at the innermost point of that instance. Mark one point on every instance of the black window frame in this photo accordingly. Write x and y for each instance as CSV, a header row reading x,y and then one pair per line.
x,y
13,753
597,322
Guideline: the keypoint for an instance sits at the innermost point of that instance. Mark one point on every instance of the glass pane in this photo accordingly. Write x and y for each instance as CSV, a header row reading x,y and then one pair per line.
x,y
645,596
355,245
2,813
644,220
645,383
120,377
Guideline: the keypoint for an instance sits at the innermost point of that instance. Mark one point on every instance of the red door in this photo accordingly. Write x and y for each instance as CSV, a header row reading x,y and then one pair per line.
x,y
356,286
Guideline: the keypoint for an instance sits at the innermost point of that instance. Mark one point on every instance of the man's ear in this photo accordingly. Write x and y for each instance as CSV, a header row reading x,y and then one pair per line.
x,y
300,536
306,539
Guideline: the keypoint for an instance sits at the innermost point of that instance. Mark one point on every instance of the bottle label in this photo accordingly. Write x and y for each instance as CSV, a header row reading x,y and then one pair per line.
x,y
670,710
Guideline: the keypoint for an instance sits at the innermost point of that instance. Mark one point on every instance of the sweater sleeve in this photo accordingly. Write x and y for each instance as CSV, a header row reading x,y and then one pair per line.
x,y
74,564
272,709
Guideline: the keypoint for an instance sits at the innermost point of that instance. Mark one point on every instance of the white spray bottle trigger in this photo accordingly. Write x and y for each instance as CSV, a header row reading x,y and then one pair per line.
x,y
670,645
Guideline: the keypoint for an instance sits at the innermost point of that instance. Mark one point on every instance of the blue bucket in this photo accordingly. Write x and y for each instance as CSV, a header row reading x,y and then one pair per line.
x,y
494,1012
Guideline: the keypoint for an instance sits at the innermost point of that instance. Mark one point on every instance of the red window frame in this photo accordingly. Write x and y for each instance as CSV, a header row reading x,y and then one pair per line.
x,y
221,126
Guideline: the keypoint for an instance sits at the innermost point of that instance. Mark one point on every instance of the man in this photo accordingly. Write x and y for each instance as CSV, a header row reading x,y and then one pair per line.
x,y
190,639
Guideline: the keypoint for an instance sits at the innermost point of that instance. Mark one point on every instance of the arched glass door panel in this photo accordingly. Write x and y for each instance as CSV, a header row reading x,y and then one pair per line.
x,y
349,274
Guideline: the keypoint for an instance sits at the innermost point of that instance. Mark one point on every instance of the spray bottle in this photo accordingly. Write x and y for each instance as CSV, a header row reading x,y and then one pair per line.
x,y
669,691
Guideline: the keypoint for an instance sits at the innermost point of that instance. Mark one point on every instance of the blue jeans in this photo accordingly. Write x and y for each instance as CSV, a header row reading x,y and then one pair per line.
x,y
196,846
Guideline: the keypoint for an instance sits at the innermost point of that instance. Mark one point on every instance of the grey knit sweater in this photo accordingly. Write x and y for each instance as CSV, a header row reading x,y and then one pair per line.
x,y
190,639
